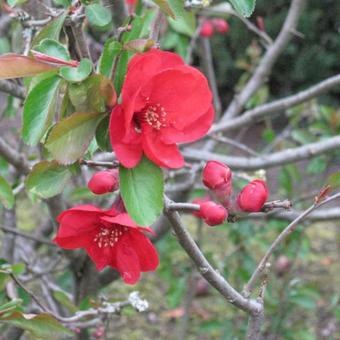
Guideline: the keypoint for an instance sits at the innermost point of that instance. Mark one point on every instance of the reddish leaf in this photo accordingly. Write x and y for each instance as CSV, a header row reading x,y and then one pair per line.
x,y
53,60
15,66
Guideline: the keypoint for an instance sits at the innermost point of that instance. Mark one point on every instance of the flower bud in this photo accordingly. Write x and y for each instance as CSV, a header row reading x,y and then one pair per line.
x,y
216,175
220,25
199,201
282,265
253,196
207,29
212,213
103,182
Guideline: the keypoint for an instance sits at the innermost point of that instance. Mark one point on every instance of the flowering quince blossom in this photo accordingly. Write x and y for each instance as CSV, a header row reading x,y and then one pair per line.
x,y
163,102
110,238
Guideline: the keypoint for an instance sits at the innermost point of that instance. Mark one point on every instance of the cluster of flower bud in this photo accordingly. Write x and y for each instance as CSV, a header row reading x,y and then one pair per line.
x,y
103,182
217,177
211,26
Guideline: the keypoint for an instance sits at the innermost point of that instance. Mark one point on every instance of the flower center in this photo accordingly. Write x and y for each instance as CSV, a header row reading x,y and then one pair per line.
x,y
152,114
155,115
108,237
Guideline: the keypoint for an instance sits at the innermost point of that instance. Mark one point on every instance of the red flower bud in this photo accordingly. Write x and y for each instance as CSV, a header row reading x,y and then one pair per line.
x,y
220,25
103,182
253,196
207,29
216,175
199,201
212,213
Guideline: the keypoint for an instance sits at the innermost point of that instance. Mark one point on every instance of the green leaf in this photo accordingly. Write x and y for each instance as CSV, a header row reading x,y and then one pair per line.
x,y
77,74
38,109
142,190
244,7
41,326
304,301
6,194
102,135
70,138
184,24
63,3
51,30
53,48
13,3
47,179
92,95
121,71
334,180
10,305
317,165
98,15
139,45
165,7
110,52
64,300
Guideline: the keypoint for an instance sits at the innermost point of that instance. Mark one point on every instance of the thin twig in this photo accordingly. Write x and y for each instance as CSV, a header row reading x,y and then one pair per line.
x,y
204,267
27,236
262,111
267,161
110,165
283,235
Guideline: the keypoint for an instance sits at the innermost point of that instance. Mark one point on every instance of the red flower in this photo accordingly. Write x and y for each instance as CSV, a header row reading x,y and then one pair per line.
x,y
164,102
253,196
110,238
104,181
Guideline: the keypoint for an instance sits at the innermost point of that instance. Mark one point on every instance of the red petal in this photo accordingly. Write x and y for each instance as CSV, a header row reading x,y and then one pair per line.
x,y
127,261
183,92
164,155
140,69
80,208
129,153
78,221
74,242
190,133
102,257
122,219
147,254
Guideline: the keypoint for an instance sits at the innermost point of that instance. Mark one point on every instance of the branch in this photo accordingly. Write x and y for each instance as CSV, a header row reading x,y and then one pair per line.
x,y
266,64
284,234
204,267
208,65
28,236
110,165
12,89
13,157
267,161
251,116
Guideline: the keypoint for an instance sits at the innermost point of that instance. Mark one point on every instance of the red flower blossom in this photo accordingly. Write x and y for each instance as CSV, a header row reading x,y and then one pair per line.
x,y
164,102
110,238
104,181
